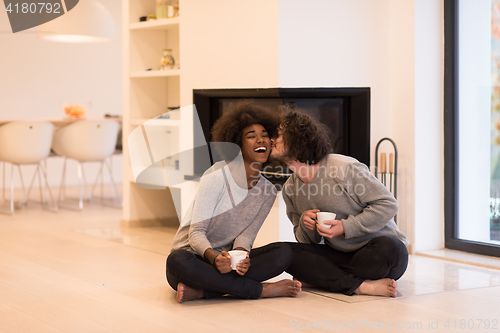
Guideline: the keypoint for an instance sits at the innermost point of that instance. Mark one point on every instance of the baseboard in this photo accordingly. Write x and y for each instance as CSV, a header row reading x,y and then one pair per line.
x,y
147,223
463,258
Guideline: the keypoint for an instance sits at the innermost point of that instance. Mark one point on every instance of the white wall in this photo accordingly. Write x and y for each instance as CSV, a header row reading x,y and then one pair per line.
x,y
402,107
429,125
38,77
228,44
395,47
338,44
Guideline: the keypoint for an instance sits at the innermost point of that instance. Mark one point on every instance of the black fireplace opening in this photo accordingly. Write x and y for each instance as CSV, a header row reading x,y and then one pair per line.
x,y
346,111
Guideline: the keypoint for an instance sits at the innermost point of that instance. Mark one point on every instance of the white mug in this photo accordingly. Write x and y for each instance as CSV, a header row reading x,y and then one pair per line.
x,y
321,217
236,257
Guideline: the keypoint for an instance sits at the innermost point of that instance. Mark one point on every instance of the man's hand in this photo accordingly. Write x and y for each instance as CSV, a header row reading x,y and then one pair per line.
x,y
243,266
223,263
336,229
310,219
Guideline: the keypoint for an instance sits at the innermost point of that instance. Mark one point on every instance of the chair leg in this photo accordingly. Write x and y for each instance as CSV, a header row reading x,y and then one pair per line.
x,y
113,183
40,187
11,200
12,189
98,181
62,190
63,184
40,171
112,192
102,181
80,190
51,198
22,184
87,192
45,168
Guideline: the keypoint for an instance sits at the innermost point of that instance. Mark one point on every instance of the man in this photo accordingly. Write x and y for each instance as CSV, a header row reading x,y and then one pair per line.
x,y
364,252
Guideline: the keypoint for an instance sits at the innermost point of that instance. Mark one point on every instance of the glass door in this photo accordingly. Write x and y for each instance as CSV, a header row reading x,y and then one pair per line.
x,y
472,125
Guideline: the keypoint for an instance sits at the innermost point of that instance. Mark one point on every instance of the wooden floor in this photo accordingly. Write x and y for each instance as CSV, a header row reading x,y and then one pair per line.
x,y
55,278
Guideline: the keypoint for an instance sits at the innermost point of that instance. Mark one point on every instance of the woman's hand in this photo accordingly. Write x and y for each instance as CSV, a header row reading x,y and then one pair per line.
x,y
243,266
222,262
336,229
310,219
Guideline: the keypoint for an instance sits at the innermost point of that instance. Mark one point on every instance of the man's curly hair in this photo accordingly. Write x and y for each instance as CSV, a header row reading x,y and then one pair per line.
x,y
229,127
305,139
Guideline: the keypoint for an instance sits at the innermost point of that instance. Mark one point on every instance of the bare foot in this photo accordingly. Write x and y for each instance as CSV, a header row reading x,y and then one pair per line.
x,y
304,284
186,293
382,287
283,288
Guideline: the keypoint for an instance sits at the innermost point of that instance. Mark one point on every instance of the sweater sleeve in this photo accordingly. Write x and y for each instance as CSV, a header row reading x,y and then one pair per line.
x,y
379,205
204,205
247,237
302,234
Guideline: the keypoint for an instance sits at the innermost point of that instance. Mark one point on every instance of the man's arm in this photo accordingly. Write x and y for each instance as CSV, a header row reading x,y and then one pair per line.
x,y
379,204
302,234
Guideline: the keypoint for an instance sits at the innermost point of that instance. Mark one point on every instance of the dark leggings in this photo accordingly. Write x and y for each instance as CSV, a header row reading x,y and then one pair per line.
x,y
193,270
336,271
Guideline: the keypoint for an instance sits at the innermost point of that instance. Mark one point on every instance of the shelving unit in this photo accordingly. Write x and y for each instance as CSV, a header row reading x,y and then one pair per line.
x,y
149,92
155,73
160,122
160,24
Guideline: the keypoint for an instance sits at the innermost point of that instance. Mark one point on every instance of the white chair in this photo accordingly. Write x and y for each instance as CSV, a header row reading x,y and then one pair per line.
x,y
26,142
86,141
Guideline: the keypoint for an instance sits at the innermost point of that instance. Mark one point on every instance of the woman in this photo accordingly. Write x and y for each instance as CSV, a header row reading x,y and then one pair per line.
x,y
230,206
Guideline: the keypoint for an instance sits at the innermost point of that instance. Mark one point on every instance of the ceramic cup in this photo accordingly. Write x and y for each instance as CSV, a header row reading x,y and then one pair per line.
x,y
236,257
321,217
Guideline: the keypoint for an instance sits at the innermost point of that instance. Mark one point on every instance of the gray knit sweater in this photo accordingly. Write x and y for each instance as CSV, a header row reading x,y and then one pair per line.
x,y
346,187
223,215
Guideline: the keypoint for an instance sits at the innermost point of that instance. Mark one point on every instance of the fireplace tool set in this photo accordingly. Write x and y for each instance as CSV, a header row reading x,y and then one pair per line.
x,y
387,172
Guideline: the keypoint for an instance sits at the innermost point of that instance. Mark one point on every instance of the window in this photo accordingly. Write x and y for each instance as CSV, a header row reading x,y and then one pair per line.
x,y
472,126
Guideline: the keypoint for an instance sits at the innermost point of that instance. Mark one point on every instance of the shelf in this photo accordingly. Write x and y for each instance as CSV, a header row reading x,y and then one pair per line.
x,y
172,172
156,122
160,24
158,73
147,95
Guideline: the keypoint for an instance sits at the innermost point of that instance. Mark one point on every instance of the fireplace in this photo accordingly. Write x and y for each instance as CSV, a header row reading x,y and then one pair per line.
x,y
346,111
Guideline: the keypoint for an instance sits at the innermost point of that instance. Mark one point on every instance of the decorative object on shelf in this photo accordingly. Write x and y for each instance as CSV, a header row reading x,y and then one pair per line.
x,y
175,5
167,61
173,11
172,113
388,175
76,110
147,18
161,9
88,22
